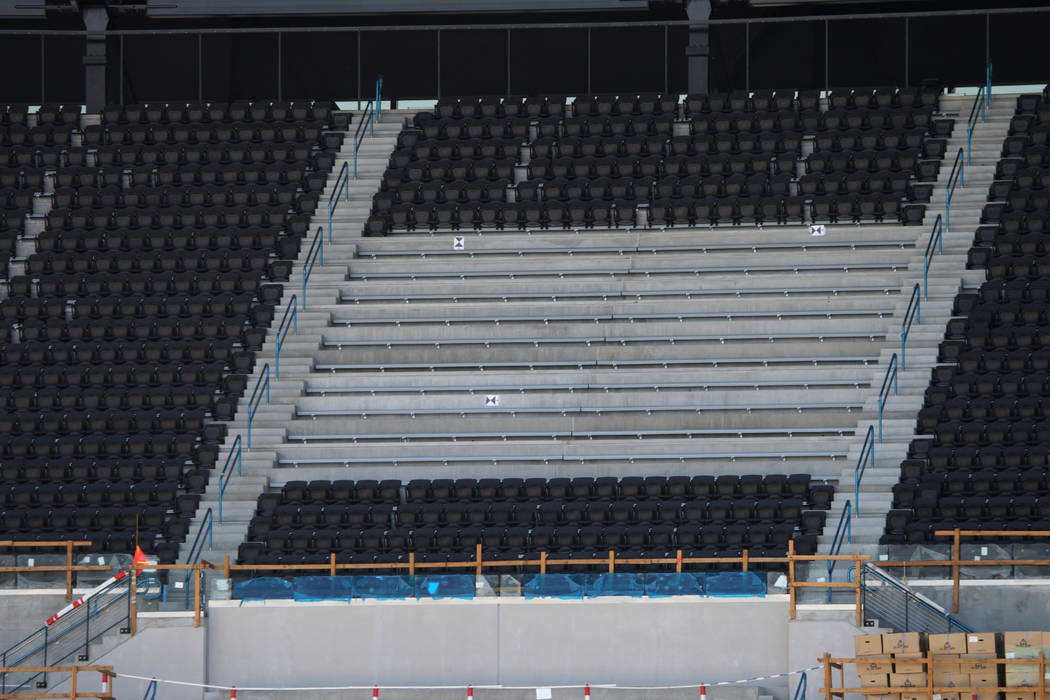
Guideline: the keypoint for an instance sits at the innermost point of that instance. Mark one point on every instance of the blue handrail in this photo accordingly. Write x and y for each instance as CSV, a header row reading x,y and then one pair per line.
x,y
884,392
379,96
910,315
227,471
801,688
342,181
253,402
151,690
313,256
196,548
865,458
359,134
976,113
843,533
957,177
282,333
927,257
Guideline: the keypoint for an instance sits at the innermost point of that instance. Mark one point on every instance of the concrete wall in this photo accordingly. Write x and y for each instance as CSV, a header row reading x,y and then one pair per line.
x,y
24,612
994,605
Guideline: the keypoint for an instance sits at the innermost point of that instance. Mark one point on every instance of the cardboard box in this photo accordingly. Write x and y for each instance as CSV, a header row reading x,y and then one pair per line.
x,y
1013,641
875,668
946,696
976,663
984,696
945,644
906,643
1022,675
908,680
1019,695
948,663
947,679
984,679
868,645
874,680
914,696
980,643
885,696
909,663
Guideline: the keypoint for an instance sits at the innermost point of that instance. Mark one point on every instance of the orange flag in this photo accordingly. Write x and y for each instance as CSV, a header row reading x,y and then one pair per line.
x,y
139,561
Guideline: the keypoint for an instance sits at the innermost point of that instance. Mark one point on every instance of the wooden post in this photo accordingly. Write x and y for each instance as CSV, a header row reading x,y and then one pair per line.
x,y
73,685
331,563
477,559
678,562
411,563
827,675
929,674
791,577
955,571
197,596
1042,677
226,567
612,561
69,571
743,560
857,587
134,602
543,562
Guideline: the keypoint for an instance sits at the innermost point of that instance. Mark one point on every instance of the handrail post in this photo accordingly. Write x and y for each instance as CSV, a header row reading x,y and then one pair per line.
x,y
69,570
955,571
791,577
197,596
827,675
857,583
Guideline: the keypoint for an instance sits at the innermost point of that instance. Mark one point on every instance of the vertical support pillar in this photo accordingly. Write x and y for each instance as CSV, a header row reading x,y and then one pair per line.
x,y
791,577
73,685
543,562
827,675
678,561
612,561
331,564
197,596
411,563
698,52
96,19
69,570
477,557
955,571
134,615
743,560
858,587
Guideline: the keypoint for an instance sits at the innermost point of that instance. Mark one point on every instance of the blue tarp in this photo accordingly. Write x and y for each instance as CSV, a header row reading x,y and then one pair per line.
x,y
554,586
324,588
616,584
663,585
736,583
445,586
383,587
266,587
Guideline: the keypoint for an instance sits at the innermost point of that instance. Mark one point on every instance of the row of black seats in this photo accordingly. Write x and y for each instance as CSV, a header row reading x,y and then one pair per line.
x,y
62,241
17,499
1012,483
32,354
241,111
116,375
233,174
177,135
129,284
812,121
88,471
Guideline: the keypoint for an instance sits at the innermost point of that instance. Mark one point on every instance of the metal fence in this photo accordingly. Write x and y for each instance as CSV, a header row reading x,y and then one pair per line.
x,y
887,599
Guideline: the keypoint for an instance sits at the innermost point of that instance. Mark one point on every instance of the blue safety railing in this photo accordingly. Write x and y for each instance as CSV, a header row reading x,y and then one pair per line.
x,y
927,257
196,549
957,177
979,109
256,398
151,690
911,315
884,392
865,459
313,256
342,182
843,534
801,688
282,333
366,123
227,470
379,96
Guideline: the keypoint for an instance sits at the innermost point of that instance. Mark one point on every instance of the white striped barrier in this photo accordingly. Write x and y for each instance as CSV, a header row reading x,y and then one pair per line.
x,y
86,597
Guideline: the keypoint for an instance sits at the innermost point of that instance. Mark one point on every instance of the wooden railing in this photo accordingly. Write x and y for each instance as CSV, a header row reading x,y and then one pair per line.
x,y
69,568
830,690
74,671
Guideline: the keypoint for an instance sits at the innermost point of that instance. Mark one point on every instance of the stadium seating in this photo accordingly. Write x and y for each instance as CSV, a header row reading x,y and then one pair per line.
x,y
988,405
133,324
442,520
605,161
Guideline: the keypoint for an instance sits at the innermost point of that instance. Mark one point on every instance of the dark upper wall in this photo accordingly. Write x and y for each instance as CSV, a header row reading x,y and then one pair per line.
x,y
385,7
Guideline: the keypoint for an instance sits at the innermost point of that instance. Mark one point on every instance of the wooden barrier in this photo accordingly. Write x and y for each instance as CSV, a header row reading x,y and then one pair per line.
x,y
930,690
68,545
74,672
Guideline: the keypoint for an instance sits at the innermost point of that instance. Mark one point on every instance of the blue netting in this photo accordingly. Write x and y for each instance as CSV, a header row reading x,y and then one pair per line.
x,y
263,588
383,587
445,586
324,588
662,585
736,583
616,584
554,586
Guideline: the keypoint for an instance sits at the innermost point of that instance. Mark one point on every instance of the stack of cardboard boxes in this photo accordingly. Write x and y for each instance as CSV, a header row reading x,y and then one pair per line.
x,y
959,661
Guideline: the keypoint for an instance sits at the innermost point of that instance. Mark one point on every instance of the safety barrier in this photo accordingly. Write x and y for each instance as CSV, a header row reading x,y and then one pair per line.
x,y
342,181
227,470
889,600
956,177
74,681
864,459
151,691
911,315
927,257
800,689
980,104
196,549
843,535
884,393
314,256
379,96
292,307
256,398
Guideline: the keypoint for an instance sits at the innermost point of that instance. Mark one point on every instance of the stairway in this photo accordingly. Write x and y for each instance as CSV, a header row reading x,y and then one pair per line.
x,y
241,492
947,275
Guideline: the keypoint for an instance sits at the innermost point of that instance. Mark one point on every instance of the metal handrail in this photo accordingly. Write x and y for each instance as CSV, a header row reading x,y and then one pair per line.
x,y
843,533
884,393
253,402
282,332
957,177
885,578
197,548
866,457
976,112
927,257
359,134
342,180
379,96
801,688
314,255
227,472
151,690
911,315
